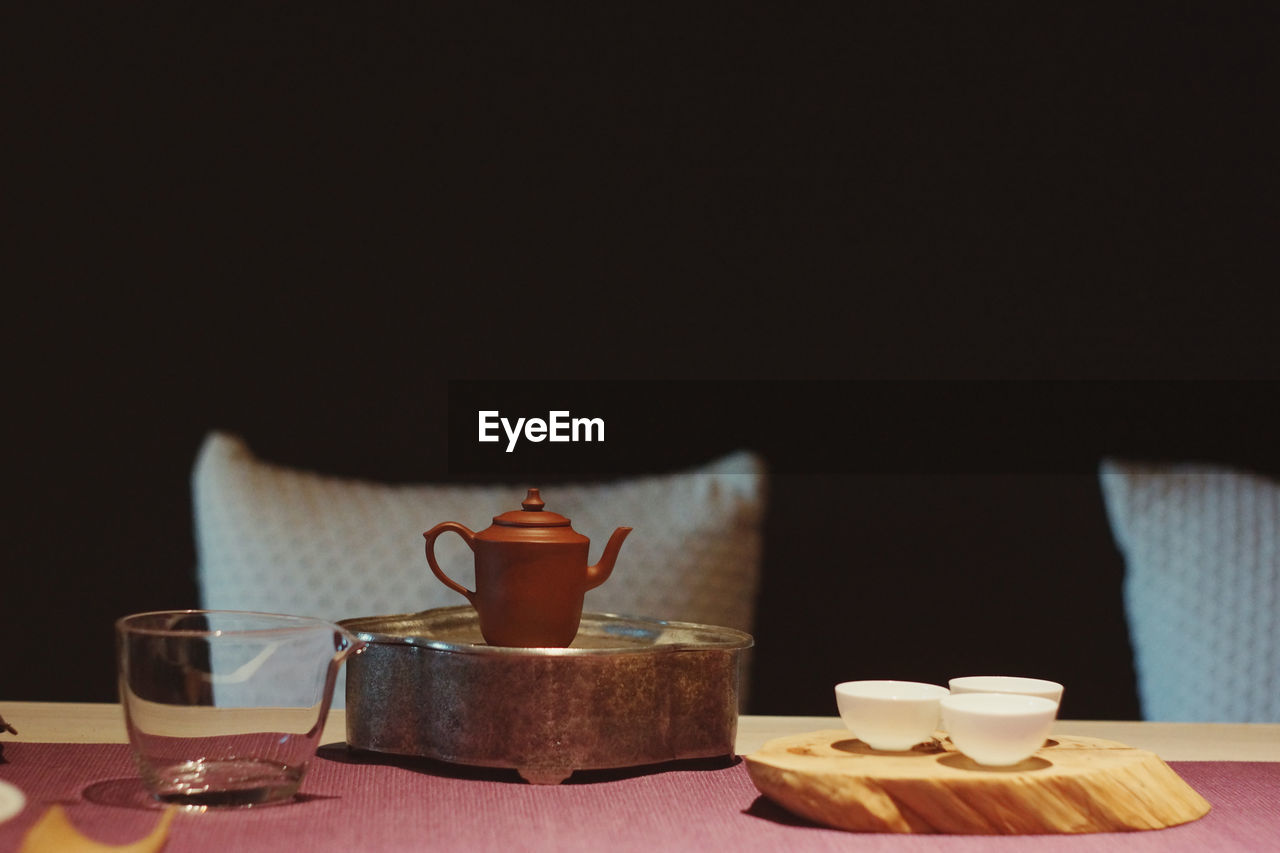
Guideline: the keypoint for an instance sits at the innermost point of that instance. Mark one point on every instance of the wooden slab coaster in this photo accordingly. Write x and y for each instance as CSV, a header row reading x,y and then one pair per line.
x,y
1072,785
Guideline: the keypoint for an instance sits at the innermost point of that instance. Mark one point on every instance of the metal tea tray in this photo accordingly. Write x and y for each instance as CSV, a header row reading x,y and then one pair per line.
x,y
627,692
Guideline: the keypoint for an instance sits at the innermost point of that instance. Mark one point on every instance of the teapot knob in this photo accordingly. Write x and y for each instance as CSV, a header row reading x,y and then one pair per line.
x,y
533,503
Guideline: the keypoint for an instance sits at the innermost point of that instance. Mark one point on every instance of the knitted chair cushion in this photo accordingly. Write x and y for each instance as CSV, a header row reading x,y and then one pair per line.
x,y
1202,588
279,539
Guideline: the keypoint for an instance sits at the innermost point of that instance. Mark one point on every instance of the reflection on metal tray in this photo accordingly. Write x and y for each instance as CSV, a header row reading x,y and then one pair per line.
x,y
627,692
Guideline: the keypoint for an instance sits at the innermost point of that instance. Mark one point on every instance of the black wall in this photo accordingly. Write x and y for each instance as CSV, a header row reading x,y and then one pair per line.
x,y
299,225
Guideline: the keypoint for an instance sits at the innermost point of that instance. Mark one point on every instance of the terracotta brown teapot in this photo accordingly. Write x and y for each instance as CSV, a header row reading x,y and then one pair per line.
x,y
531,574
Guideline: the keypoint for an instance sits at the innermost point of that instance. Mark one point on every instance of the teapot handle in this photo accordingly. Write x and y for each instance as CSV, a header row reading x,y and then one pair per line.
x,y
467,536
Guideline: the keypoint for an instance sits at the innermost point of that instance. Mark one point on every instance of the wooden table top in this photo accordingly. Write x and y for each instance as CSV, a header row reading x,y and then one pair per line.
x,y
84,722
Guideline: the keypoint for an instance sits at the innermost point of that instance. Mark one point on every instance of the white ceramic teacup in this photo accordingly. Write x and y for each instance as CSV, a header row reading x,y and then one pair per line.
x,y
998,729
890,715
1050,690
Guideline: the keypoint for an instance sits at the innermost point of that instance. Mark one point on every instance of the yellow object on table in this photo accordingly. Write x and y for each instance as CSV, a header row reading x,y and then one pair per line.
x,y
55,833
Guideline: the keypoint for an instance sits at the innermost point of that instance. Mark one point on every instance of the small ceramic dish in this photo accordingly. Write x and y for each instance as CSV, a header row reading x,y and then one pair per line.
x,y
1051,690
998,729
11,800
890,715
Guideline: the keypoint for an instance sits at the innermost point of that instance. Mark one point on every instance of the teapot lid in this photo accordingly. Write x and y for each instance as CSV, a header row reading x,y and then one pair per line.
x,y
533,514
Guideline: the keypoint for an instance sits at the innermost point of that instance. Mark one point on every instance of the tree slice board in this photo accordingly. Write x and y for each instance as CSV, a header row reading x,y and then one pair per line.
x,y
1071,785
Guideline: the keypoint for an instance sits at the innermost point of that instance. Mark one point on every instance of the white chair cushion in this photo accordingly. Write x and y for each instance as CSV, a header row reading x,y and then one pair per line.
x,y
1202,588
278,539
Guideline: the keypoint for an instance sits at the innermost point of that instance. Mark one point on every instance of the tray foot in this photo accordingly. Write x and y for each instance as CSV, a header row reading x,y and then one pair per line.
x,y
544,775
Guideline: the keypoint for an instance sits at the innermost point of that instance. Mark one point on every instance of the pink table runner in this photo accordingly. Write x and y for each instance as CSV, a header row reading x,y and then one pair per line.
x,y
364,807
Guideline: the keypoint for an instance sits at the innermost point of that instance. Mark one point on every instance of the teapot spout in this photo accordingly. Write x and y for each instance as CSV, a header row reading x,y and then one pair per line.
x,y
599,573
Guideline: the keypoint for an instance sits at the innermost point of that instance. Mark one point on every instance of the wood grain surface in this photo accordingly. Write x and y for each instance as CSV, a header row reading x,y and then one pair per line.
x,y
1072,785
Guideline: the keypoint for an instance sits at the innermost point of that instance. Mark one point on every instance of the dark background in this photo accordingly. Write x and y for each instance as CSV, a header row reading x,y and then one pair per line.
x,y
300,224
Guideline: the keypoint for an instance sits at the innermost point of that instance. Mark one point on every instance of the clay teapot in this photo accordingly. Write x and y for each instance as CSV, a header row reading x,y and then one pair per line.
x,y
531,574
